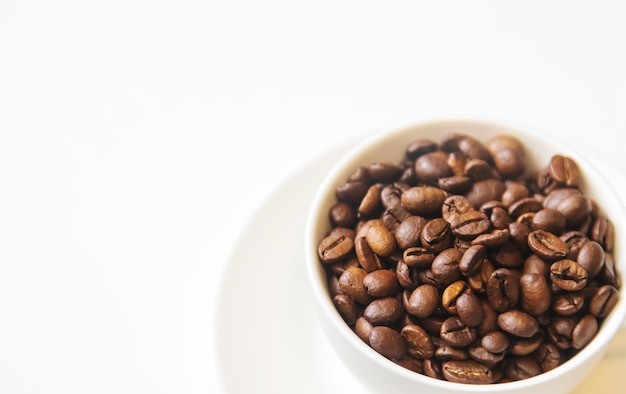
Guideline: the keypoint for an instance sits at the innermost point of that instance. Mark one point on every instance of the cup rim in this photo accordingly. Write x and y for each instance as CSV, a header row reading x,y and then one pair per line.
x,y
348,162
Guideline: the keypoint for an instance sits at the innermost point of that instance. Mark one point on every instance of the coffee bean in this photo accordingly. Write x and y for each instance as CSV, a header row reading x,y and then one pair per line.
x,y
547,245
456,333
482,191
466,372
420,147
380,240
568,275
432,166
472,259
568,303
564,171
418,257
423,200
419,343
453,206
591,257
351,283
384,311
363,328
423,301
470,224
408,231
495,342
603,301
445,266
346,307
523,367
381,283
518,323
436,235
351,192
548,356
584,331
387,342
503,289
535,295
384,172
335,247
469,309
451,294
366,256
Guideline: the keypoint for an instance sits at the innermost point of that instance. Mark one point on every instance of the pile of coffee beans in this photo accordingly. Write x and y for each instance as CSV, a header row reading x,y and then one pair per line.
x,y
459,263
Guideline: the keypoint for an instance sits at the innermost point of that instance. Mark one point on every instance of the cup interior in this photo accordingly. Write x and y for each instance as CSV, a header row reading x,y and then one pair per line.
x,y
389,146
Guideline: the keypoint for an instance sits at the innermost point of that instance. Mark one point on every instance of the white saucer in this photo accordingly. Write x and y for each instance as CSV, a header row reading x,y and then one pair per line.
x,y
268,339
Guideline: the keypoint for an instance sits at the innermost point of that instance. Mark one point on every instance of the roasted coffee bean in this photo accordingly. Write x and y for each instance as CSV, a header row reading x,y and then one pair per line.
x,y
381,241
469,309
482,191
456,333
609,273
574,241
432,166
381,283
370,205
591,257
547,245
533,264
584,331
446,353
518,323
361,174
346,307
518,233
388,342
485,357
418,257
524,205
535,295
366,256
508,255
549,220
470,224
343,215
384,172
453,206
603,301
455,184
451,294
490,317
409,230
420,147
495,342
508,155
351,192
493,239
423,301
568,275
525,346
514,192
564,171
568,303
391,195
503,289
558,195
548,356
472,148
472,259
363,328
445,266
521,367
575,208
384,311
335,247
432,369
466,372
407,276
560,331
424,200
479,170
419,343
351,283
436,235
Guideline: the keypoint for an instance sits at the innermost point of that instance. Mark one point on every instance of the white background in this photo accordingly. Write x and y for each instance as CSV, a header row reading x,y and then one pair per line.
x,y
138,137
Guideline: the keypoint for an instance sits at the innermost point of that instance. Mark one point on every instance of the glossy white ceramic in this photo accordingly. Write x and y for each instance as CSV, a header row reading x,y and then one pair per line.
x,y
379,374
